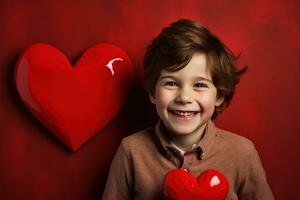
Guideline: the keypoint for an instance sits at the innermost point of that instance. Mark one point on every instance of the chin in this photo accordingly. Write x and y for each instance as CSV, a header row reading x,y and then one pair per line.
x,y
183,131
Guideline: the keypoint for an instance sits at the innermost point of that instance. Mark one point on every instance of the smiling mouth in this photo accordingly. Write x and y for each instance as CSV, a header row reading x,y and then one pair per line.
x,y
184,114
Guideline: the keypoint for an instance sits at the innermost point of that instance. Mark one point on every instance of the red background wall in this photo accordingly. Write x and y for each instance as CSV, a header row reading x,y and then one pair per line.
x,y
35,165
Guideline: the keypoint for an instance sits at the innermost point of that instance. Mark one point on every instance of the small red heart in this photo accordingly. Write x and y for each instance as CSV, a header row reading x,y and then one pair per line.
x,y
73,102
181,185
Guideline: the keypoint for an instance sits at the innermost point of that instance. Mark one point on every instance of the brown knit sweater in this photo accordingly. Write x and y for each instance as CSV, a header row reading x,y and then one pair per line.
x,y
142,160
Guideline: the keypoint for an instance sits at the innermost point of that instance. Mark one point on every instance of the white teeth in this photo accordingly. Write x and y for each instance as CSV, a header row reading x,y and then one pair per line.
x,y
184,113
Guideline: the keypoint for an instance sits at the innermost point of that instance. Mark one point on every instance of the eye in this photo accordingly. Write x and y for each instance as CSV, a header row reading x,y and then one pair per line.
x,y
170,83
201,85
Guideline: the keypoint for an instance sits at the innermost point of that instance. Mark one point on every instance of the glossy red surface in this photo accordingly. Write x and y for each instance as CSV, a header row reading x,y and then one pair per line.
x,y
181,185
74,102
35,165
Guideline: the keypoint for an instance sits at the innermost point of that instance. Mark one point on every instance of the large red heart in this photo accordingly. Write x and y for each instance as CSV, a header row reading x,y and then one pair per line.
x,y
181,185
74,102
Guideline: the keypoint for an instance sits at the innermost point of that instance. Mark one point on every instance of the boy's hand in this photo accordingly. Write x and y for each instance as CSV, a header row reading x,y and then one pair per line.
x,y
181,185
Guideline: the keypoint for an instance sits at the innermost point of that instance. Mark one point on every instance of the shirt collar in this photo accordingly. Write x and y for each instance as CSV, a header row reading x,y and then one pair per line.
x,y
202,148
181,151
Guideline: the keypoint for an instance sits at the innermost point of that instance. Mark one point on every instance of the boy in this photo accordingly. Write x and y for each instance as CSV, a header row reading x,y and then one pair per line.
x,y
190,76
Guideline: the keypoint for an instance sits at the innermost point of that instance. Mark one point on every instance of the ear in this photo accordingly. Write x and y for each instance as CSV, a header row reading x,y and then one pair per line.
x,y
152,98
219,101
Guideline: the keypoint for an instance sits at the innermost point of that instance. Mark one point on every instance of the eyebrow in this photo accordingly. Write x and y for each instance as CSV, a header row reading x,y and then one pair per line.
x,y
195,78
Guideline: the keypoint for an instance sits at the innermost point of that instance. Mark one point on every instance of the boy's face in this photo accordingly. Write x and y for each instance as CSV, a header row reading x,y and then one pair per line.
x,y
185,100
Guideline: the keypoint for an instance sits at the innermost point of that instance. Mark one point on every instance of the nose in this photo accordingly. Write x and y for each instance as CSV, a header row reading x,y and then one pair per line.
x,y
184,96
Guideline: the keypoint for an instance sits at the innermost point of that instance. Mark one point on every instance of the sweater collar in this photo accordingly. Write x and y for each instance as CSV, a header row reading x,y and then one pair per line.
x,y
201,148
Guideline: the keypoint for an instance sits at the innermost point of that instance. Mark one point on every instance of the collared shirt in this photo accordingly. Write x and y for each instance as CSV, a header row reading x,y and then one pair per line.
x,y
181,151
142,160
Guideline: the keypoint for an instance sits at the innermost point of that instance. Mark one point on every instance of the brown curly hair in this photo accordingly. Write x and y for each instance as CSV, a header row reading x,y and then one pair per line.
x,y
174,47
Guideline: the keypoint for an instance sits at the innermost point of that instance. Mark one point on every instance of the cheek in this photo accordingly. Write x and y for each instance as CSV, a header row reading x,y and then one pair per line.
x,y
164,98
207,102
